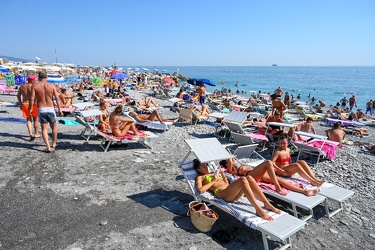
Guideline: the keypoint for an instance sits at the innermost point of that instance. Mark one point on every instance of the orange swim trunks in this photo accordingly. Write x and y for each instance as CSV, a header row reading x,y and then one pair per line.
x,y
26,110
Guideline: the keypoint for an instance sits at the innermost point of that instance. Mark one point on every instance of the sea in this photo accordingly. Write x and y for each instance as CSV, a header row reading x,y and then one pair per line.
x,y
328,84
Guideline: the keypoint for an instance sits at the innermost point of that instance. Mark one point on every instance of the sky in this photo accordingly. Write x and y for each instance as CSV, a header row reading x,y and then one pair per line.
x,y
191,32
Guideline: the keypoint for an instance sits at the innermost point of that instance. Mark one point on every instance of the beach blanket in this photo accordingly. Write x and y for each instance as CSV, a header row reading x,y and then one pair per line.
x,y
328,148
68,122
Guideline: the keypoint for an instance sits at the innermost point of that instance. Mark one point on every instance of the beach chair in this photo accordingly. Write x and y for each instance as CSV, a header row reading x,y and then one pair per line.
x,y
186,115
249,139
6,105
333,194
309,149
4,89
281,228
246,155
89,127
234,122
108,139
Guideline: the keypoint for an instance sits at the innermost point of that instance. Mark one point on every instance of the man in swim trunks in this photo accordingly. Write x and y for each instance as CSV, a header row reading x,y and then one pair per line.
x,y
352,102
23,96
202,94
43,93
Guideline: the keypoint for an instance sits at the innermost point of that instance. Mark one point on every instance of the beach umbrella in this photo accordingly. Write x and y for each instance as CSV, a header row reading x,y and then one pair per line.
x,y
2,69
168,80
195,81
113,72
119,76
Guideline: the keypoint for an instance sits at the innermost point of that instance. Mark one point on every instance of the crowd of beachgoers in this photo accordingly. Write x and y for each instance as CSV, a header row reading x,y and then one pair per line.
x,y
123,191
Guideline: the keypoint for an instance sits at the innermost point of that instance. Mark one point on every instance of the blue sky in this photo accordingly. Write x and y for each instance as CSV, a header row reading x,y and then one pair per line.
x,y
191,32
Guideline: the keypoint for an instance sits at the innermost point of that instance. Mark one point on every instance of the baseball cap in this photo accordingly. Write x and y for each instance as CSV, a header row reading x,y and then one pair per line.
x,y
31,78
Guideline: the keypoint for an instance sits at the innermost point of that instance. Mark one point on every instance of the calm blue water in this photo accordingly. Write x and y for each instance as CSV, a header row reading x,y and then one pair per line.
x,y
329,84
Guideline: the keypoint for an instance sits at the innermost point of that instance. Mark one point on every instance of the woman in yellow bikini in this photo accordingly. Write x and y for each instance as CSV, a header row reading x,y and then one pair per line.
x,y
219,185
281,158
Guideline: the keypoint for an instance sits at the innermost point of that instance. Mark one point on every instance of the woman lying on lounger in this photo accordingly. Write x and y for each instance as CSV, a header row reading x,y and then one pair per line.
x,y
121,125
284,166
220,186
265,172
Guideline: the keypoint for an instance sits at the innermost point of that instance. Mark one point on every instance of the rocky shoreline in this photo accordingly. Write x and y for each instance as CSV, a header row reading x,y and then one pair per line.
x,y
79,197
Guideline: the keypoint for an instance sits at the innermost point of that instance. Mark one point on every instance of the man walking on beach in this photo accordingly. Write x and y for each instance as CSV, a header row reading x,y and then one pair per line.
x,y
202,94
23,96
352,102
43,93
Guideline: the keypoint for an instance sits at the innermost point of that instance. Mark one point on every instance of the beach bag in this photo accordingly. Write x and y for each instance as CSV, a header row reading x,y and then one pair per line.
x,y
202,217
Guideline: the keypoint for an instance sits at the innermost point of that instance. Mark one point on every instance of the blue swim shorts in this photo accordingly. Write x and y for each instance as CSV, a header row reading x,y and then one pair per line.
x,y
47,115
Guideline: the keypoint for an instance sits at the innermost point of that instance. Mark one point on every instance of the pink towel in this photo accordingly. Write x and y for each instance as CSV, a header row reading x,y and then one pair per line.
x,y
328,148
257,136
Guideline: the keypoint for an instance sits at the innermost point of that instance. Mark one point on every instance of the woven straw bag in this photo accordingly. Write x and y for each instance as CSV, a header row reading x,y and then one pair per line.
x,y
201,216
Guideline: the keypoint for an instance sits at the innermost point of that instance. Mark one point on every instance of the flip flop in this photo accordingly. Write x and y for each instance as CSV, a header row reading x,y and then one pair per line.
x,y
38,136
47,151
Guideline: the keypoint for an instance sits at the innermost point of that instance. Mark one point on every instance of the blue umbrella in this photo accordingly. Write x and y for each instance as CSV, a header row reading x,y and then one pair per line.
x,y
2,69
119,76
195,81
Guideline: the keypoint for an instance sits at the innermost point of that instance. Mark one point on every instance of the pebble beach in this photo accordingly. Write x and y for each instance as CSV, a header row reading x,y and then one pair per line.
x,y
131,197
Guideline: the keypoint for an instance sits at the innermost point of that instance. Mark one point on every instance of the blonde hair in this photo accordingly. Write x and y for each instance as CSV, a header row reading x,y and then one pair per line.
x,y
118,109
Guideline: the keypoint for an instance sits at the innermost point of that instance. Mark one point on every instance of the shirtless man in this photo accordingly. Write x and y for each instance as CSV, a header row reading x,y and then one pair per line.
x,y
352,102
336,133
278,92
202,94
43,92
23,96
154,116
307,126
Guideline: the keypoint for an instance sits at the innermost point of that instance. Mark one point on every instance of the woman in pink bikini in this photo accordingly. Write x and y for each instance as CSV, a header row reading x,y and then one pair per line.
x,y
281,158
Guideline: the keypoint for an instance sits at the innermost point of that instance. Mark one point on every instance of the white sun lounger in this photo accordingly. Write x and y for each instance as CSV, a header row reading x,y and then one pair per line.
x,y
334,194
248,156
89,126
6,105
281,228
109,139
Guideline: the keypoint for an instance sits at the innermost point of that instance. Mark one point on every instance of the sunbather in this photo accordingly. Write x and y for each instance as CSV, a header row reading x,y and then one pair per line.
x,y
104,118
150,103
265,172
121,125
284,166
154,116
307,125
202,112
336,133
219,185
